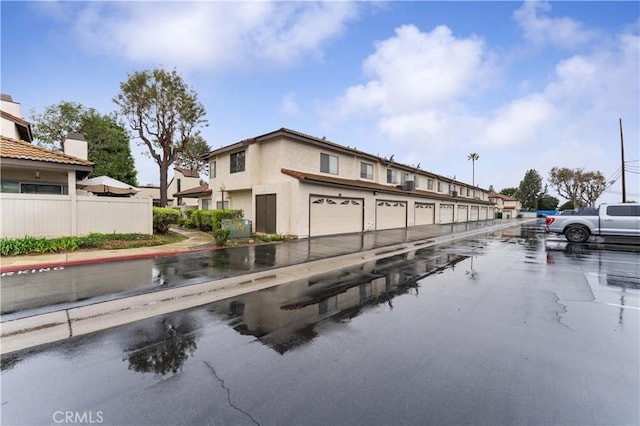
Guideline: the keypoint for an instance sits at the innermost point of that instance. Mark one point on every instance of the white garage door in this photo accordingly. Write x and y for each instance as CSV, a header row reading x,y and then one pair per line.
x,y
446,213
483,213
391,214
463,212
474,213
424,214
331,215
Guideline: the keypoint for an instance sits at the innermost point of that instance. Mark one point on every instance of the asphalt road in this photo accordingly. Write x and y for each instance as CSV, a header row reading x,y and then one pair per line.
x,y
509,328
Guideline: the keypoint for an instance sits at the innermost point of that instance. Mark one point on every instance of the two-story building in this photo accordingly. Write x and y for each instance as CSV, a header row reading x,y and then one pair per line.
x,y
508,207
291,183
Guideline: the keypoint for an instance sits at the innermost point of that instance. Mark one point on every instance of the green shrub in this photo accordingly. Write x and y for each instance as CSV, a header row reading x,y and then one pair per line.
x,y
267,238
221,236
208,220
164,217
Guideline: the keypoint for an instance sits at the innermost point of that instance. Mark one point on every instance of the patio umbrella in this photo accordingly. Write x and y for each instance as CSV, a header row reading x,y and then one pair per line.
x,y
106,185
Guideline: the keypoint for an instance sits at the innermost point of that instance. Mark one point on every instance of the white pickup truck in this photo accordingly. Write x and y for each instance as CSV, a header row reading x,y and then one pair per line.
x,y
620,220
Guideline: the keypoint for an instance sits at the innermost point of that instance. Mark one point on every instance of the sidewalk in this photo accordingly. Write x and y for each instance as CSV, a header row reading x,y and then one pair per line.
x,y
195,241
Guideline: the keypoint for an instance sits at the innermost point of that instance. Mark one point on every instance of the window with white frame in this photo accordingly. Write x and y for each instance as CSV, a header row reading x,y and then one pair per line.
x,y
329,164
430,184
206,204
404,177
439,186
366,170
391,176
237,162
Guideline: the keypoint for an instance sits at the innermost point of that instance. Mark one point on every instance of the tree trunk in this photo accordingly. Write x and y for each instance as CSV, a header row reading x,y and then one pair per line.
x,y
164,169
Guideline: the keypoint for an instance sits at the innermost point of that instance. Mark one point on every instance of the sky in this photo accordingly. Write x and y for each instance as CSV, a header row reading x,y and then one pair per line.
x,y
525,85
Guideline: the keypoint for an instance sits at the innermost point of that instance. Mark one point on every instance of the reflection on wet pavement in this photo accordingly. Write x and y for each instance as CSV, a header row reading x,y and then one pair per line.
x,y
39,290
503,329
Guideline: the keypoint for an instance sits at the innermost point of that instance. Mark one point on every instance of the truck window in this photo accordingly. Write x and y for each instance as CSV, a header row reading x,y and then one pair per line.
x,y
623,210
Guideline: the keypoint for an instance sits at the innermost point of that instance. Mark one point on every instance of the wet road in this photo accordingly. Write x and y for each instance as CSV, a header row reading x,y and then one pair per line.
x,y
36,290
505,329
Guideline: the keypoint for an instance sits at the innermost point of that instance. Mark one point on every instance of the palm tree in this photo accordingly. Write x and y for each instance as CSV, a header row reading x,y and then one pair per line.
x,y
473,157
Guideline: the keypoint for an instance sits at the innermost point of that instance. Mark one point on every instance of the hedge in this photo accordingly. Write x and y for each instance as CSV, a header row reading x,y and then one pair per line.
x,y
163,217
208,220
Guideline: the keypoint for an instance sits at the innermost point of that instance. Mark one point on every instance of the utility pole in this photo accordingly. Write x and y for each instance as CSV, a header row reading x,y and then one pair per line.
x,y
624,186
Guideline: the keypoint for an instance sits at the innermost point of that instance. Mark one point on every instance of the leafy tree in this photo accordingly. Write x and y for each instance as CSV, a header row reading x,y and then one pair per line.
x,y
567,206
107,141
108,148
530,190
193,155
473,157
52,126
580,187
547,202
164,113
510,192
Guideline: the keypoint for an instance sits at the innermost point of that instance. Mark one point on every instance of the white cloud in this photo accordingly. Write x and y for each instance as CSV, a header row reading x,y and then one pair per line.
x,y
541,30
289,105
212,35
416,70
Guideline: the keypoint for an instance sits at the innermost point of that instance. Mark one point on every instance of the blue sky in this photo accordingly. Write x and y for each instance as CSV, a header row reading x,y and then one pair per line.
x,y
526,85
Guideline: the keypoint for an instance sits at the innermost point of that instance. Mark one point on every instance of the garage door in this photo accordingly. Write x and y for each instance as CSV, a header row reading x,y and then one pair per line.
x,y
474,214
463,212
446,213
483,213
333,215
424,214
391,214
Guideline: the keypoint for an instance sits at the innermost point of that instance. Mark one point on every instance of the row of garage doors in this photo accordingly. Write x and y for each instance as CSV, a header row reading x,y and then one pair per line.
x,y
331,215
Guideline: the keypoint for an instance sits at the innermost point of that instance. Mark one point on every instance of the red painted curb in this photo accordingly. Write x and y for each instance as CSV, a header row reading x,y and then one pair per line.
x,y
102,259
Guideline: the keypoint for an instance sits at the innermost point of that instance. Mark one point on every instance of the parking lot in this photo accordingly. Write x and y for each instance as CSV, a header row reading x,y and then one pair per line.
x,y
508,327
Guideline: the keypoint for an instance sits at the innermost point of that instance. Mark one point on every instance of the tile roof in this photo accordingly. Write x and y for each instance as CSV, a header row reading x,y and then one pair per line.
x,y
501,196
194,192
20,150
373,186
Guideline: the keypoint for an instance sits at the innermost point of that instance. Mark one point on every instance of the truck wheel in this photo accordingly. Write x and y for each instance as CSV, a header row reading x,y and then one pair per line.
x,y
576,234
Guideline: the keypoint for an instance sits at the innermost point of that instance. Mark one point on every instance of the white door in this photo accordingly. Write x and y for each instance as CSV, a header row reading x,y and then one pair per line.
x,y
463,212
333,215
424,214
446,213
474,213
391,214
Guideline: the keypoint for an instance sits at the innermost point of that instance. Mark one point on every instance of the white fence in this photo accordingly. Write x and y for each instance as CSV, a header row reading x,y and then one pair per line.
x,y
53,216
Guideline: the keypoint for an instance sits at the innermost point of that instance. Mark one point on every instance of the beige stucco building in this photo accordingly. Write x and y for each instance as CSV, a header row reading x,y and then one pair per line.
x,y
288,182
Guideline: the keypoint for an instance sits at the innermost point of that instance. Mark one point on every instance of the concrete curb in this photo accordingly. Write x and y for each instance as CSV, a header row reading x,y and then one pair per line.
x,y
32,331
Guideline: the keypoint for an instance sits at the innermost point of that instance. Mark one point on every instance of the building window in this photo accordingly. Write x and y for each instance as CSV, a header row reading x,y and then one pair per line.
x,y
329,164
11,187
237,162
179,187
439,186
468,192
221,206
391,176
206,204
212,169
430,184
38,188
404,177
415,179
366,171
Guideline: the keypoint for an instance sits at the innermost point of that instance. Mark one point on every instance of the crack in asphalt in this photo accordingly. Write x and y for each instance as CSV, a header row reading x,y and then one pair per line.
x,y
231,404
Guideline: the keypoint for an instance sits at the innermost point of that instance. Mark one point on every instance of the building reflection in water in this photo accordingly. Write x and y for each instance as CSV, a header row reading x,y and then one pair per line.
x,y
162,346
286,316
